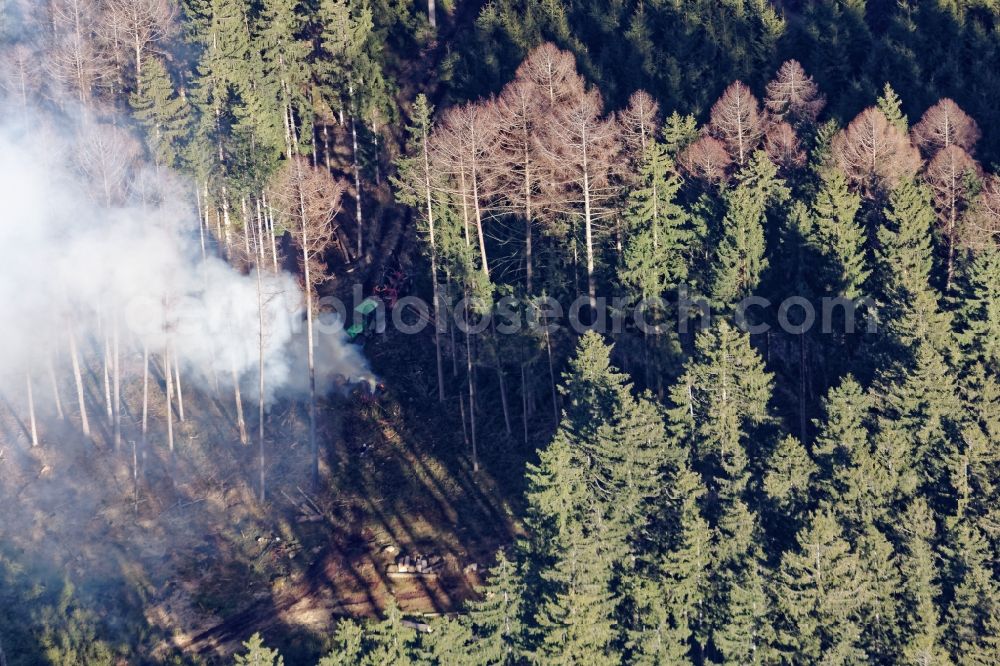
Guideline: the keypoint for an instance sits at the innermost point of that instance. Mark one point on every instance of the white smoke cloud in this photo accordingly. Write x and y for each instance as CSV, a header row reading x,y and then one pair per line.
x,y
71,263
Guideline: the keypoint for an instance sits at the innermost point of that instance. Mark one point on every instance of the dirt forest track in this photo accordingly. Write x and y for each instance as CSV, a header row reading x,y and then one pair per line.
x,y
336,585
400,491
307,598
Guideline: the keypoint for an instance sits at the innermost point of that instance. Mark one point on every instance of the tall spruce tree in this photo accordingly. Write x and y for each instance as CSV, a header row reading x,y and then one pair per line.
x,y
842,450
921,419
643,452
591,499
448,642
679,132
569,560
163,114
789,478
287,75
656,252
257,654
910,308
496,619
223,96
974,601
741,617
348,645
841,235
723,393
821,591
685,567
880,612
740,258
922,642
390,642
594,393
979,311
892,108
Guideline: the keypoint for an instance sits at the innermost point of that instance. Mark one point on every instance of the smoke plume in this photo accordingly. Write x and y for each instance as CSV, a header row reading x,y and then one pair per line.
x,y
94,247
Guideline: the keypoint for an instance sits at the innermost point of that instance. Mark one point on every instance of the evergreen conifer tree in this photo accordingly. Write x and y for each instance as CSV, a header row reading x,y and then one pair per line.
x,y
685,566
447,643
789,475
843,454
257,654
880,626
390,642
164,115
922,416
348,645
975,597
496,619
287,75
924,631
841,236
574,606
740,259
979,312
656,253
821,591
679,132
743,625
910,309
724,391
892,107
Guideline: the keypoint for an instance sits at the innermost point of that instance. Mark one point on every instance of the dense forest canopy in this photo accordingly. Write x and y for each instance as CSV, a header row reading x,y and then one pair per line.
x,y
771,437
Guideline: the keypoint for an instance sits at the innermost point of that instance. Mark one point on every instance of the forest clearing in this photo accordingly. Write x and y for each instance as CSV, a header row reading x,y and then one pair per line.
x,y
465,333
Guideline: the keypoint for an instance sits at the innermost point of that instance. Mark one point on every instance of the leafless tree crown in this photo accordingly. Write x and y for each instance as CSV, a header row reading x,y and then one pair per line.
x,y
946,124
873,152
794,95
783,146
736,120
639,121
706,159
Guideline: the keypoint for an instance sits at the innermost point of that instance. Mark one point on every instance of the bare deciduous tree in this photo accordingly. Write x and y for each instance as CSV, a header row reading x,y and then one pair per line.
x,y
948,175
706,159
142,23
309,199
983,221
736,120
639,121
547,79
517,162
945,124
106,157
581,148
20,76
553,71
81,398
783,147
874,153
465,148
31,408
75,61
793,95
